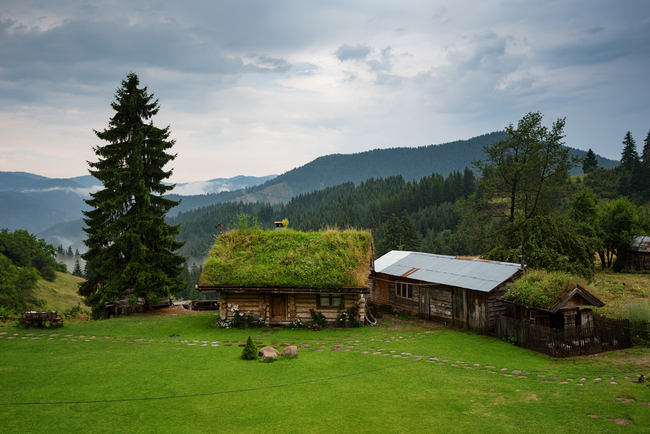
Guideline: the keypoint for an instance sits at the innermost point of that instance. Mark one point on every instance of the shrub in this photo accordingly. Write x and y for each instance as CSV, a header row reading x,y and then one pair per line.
x,y
250,350
317,319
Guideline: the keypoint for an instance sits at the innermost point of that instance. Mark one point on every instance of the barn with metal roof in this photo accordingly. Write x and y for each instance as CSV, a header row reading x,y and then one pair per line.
x,y
454,290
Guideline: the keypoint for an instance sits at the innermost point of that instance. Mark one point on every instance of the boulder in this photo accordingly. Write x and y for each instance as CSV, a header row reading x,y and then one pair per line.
x,y
268,353
291,350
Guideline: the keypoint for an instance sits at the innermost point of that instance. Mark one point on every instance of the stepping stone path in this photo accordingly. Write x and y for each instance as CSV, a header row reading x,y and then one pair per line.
x,y
335,346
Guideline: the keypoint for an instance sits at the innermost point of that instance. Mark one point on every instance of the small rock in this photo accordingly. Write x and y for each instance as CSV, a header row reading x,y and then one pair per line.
x,y
338,347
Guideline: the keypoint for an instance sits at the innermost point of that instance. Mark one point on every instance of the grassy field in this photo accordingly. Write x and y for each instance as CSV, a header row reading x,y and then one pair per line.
x,y
619,289
178,373
60,294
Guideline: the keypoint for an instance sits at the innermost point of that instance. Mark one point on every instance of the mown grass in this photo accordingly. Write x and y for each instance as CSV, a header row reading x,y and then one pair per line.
x,y
319,391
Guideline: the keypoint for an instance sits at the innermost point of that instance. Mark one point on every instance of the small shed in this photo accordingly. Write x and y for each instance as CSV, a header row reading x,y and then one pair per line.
x,y
639,254
566,311
280,276
465,292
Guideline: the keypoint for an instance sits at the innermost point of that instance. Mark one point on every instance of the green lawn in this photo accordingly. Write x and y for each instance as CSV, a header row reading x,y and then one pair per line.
x,y
151,386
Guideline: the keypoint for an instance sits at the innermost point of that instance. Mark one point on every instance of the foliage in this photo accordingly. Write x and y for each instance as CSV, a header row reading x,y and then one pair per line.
x,y
528,171
542,288
296,324
629,156
619,222
250,350
17,287
130,246
75,312
318,320
24,250
553,244
589,164
399,234
327,259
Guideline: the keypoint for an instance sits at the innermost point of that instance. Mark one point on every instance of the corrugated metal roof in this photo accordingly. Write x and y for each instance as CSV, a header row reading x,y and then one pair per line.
x,y
641,244
476,274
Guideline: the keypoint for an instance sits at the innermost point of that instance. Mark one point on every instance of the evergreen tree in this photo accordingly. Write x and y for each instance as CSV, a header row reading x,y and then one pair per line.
x,y
77,269
589,164
69,254
630,156
130,246
645,154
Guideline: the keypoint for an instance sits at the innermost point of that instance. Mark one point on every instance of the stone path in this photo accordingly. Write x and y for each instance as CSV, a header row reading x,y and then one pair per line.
x,y
355,346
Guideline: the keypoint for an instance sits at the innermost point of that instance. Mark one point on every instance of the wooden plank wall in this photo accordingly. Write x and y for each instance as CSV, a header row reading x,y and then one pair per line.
x,y
379,290
403,304
496,306
440,307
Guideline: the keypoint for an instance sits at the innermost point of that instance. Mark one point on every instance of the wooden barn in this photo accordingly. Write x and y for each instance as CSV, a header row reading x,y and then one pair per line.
x,y
639,254
461,291
281,275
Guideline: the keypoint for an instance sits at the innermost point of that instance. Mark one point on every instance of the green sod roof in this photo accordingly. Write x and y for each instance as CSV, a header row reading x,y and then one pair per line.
x,y
289,259
543,289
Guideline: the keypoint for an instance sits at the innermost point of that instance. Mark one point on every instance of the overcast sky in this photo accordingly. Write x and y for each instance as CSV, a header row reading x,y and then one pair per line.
x,y
260,87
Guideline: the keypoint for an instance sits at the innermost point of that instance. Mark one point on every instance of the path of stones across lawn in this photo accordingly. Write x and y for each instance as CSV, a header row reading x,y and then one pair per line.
x,y
356,346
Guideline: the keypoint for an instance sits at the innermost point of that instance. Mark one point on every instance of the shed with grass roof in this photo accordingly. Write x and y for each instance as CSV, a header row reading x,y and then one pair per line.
x,y
280,275
465,292
554,300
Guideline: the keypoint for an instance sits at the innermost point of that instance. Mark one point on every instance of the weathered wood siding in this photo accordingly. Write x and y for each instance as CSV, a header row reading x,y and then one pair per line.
x,y
379,291
403,304
440,303
496,306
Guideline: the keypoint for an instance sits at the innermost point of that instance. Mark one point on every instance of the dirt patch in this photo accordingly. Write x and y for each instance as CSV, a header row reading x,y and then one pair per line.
x,y
622,421
171,311
593,416
625,400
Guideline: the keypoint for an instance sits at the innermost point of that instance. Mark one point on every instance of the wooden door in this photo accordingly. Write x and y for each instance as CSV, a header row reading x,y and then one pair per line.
x,y
477,310
424,302
278,307
459,307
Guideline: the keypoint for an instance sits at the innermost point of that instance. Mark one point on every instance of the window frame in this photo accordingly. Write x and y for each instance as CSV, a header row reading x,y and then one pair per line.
x,y
404,290
331,297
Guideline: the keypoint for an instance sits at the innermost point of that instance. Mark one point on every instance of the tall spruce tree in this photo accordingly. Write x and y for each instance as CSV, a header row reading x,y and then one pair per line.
x,y
629,156
645,154
130,247
589,163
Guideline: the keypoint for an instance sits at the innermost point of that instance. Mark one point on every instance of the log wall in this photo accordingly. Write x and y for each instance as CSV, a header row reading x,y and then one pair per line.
x,y
298,305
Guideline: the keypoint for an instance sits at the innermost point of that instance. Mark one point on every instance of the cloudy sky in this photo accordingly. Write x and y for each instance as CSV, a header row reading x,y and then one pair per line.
x,y
260,87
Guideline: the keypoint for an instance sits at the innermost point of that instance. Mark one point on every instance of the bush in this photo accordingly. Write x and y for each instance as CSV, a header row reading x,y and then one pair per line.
x,y
250,350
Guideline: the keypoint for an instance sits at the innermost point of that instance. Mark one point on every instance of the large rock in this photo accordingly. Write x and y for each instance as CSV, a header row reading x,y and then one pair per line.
x,y
268,353
291,350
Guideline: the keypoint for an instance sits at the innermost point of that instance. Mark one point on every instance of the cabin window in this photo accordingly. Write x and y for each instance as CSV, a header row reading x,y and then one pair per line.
x,y
329,300
404,289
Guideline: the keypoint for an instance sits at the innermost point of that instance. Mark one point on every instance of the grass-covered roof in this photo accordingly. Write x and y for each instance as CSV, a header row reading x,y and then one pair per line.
x,y
544,289
289,259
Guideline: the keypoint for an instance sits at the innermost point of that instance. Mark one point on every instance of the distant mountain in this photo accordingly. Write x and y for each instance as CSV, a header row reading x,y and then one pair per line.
x,y
35,203
411,163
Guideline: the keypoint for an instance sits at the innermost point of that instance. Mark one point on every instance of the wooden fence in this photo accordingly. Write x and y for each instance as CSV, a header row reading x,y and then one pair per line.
x,y
603,335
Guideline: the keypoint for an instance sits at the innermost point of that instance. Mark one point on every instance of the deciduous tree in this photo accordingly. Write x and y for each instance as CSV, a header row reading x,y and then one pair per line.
x,y
130,246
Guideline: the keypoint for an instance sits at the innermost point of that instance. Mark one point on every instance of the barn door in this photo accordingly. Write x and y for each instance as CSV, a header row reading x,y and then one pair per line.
x,y
278,307
459,307
477,312
424,302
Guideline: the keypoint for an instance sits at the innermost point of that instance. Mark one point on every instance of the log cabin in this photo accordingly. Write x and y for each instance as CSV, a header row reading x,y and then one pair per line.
x,y
280,275
465,292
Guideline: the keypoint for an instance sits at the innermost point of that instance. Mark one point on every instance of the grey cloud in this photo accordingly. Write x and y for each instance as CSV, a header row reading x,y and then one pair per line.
x,y
603,49
264,63
595,29
348,52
